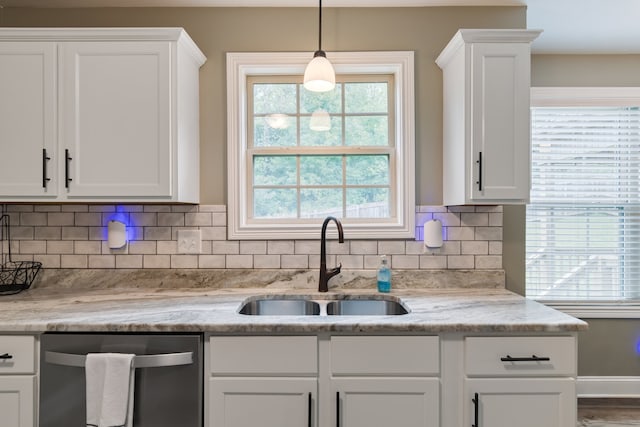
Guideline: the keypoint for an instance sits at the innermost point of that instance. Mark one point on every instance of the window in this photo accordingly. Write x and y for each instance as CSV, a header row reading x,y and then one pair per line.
x,y
296,156
583,223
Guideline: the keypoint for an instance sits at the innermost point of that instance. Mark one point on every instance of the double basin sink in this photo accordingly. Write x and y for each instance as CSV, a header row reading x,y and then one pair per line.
x,y
346,305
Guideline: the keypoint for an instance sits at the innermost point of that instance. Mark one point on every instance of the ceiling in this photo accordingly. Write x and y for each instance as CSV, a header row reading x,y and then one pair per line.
x,y
570,26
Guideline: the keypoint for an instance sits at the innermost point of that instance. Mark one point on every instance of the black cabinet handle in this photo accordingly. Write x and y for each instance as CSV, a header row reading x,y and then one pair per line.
x,y
309,411
6,356
476,404
533,358
45,158
67,160
479,162
337,409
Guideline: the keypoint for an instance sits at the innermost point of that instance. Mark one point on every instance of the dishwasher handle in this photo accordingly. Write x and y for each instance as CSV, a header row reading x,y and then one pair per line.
x,y
139,361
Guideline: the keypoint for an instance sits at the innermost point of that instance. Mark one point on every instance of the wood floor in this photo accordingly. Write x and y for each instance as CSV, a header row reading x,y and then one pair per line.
x,y
608,412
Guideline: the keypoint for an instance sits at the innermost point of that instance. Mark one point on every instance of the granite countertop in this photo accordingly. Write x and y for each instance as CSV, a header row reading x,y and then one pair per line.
x,y
209,302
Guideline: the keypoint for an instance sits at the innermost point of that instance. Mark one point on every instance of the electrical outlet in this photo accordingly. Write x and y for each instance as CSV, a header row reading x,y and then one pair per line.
x,y
189,241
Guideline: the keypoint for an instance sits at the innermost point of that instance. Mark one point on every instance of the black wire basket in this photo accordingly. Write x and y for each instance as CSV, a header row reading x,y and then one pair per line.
x,y
15,276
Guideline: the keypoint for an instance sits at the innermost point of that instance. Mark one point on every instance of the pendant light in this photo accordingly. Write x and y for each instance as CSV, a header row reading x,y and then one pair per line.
x,y
319,75
320,121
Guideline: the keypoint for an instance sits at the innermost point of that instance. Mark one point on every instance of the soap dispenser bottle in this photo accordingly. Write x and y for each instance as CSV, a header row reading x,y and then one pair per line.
x,y
384,275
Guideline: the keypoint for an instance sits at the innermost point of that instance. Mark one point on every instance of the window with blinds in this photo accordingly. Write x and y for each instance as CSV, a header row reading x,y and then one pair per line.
x,y
583,223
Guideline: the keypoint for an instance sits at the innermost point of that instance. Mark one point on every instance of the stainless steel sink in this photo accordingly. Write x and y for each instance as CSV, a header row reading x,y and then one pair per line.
x,y
365,307
280,307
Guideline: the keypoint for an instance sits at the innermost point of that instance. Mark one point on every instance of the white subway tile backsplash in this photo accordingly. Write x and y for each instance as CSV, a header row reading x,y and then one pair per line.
x,y
266,261
156,261
250,247
474,248
474,219
157,233
364,247
143,247
33,218
102,261
211,261
74,236
170,219
86,247
405,262
214,233
75,233
391,247
225,247
72,261
203,219
355,262
167,247
128,261
184,261
280,247
32,247
488,262
239,261
59,247
294,261
307,247
88,219
433,262
457,262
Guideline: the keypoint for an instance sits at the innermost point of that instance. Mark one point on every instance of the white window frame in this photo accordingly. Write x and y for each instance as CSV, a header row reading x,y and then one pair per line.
x,y
586,97
241,65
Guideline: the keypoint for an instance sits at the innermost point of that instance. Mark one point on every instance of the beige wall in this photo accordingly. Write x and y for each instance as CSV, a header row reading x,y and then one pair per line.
x,y
218,30
610,345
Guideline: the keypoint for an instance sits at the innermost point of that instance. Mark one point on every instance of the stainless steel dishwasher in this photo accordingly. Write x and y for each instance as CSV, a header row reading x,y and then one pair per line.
x,y
168,377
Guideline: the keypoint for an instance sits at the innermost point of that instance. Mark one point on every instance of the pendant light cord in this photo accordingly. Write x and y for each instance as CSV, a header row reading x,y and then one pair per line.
x,y
320,27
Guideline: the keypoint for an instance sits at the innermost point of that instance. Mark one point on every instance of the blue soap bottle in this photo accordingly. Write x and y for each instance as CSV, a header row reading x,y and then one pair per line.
x,y
384,275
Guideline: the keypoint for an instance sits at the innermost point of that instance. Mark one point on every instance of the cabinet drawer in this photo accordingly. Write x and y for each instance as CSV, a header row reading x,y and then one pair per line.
x,y
264,355
385,355
520,356
17,354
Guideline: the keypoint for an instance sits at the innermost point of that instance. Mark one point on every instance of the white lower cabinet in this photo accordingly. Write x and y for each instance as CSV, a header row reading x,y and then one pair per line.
x,y
383,402
522,381
265,402
531,402
17,401
18,381
341,381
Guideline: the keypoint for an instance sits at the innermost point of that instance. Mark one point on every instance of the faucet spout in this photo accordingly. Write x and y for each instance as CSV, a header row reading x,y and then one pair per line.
x,y
325,275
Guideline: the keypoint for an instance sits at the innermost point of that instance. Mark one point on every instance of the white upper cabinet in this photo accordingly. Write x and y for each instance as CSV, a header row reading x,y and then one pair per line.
x,y
28,119
122,124
486,149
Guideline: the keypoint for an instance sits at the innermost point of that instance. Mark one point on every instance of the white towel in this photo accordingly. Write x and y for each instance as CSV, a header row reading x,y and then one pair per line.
x,y
110,381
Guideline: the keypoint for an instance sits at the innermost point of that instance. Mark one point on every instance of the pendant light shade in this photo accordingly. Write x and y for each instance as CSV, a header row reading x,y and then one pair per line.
x,y
319,76
320,121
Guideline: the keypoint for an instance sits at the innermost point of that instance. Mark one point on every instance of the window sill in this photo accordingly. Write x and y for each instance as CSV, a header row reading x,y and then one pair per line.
x,y
597,310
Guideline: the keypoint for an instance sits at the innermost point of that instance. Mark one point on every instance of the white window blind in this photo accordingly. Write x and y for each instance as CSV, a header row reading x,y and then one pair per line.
x,y
583,223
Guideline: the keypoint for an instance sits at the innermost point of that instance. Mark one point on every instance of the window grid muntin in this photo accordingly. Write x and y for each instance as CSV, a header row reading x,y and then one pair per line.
x,y
343,149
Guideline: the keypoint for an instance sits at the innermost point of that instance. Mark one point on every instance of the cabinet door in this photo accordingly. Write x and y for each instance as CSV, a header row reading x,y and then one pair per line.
x,y
17,403
384,402
27,119
116,119
264,402
520,402
500,137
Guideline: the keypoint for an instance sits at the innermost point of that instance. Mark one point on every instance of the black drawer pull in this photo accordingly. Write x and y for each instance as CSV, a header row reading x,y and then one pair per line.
x,y
6,356
45,158
479,162
67,160
476,403
533,358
